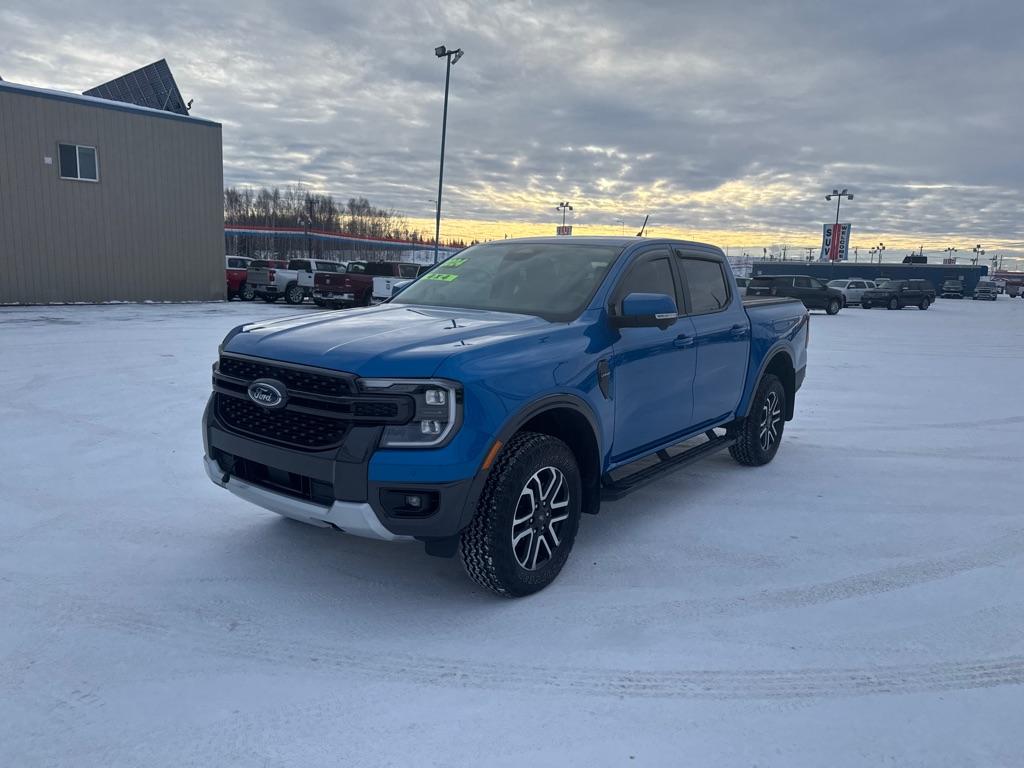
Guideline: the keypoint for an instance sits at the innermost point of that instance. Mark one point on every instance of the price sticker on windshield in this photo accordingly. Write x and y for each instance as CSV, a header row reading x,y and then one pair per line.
x,y
442,277
455,261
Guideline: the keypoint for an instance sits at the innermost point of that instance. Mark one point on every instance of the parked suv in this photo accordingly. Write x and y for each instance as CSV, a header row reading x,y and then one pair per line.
x,y
897,294
952,289
852,290
810,290
986,290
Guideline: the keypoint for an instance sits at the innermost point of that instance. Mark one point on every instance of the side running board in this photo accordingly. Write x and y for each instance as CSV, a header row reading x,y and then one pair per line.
x,y
612,490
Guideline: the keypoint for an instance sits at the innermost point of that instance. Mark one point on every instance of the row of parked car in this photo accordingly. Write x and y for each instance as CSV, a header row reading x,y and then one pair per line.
x,y
836,294
331,284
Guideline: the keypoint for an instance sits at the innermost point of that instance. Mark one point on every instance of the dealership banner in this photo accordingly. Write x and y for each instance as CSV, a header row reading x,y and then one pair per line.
x,y
835,242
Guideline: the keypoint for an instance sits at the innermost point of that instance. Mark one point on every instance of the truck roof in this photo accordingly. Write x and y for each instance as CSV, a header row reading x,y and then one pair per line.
x,y
615,240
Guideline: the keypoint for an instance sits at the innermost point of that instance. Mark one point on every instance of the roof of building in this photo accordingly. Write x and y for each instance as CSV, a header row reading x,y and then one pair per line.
x,y
92,101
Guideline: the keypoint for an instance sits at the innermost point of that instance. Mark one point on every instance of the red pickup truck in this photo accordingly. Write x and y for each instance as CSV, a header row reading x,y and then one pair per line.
x,y
236,268
354,287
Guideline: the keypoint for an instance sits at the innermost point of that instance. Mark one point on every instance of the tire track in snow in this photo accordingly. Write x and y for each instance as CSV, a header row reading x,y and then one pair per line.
x,y
252,643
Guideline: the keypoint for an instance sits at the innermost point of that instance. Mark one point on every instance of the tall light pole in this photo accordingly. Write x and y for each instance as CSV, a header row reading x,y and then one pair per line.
x,y
949,254
879,251
978,253
563,207
622,223
453,57
839,199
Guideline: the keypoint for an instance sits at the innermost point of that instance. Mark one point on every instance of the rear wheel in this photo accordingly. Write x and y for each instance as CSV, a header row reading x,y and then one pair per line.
x,y
832,308
526,519
925,303
894,303
269,299
758,435
865,304
293,294
246,293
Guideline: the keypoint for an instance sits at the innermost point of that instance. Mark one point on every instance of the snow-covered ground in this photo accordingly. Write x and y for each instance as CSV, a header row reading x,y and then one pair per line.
x,y
858,602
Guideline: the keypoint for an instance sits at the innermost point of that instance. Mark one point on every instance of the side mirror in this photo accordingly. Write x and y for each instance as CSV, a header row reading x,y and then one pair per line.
x,y
647,310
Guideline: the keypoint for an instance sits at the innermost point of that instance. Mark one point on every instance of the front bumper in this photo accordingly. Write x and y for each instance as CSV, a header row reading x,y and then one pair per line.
x,y
329,296
356,518
333,487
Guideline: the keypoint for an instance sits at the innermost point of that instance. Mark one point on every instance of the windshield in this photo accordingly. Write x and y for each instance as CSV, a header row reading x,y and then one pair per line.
x,y
551,280
837,283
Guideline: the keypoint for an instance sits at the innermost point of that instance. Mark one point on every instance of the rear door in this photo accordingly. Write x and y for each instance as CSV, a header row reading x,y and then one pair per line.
x,y
723,338
804,290
854,290
652,368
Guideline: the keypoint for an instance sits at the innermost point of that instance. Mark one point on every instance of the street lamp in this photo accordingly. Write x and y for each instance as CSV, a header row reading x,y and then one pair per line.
x,y
563,207
622,223
839,199
879,250
949,254
978,252
452,57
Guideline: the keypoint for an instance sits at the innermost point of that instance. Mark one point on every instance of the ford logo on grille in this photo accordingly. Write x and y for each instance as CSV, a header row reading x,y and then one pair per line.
x,y
268,392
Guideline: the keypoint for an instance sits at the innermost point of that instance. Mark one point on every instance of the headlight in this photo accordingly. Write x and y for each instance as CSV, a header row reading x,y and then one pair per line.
x,y
437,415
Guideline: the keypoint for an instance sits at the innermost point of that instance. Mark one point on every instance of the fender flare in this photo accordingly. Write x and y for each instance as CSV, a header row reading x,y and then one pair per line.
x,y
514,423
781,348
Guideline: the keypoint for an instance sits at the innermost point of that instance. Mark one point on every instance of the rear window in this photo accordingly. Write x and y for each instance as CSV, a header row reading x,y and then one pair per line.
x,y
761,282
708,289
380,268
237,263
300,264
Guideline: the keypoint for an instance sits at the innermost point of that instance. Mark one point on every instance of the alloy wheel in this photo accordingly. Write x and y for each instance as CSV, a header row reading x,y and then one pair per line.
x,y
771,417
541,511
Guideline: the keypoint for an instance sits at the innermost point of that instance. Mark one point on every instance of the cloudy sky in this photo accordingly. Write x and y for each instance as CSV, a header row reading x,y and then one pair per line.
x,y
723,121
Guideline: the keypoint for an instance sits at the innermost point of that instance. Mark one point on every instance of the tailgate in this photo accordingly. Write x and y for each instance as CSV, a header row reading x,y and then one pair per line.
x,y
258,277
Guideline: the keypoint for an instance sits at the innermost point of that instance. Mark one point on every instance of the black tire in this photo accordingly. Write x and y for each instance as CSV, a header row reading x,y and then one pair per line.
x,y
489,554
865,304
833,307
925,303
246,293
366,299
269,299
894,303
752,449
320,302
293,294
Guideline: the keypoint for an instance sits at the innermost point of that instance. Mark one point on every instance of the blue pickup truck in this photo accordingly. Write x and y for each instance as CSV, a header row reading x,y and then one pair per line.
x,y
504,393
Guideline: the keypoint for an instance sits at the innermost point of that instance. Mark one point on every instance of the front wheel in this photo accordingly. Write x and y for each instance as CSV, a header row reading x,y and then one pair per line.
x,y
294,294
526,519
894,303
833,307
925,303
865,304
759,434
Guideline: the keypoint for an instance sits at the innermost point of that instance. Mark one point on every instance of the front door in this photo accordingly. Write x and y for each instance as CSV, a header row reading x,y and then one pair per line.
x,y
652,368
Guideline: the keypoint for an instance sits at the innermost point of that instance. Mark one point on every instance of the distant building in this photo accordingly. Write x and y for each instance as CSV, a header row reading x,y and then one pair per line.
x,y
107,201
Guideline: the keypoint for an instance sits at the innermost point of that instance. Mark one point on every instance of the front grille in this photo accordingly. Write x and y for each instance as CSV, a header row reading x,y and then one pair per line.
x,y
373,410
297,429
296,379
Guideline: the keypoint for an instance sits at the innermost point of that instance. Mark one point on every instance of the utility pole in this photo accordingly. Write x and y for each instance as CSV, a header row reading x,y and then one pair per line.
x,y
452,57
810,251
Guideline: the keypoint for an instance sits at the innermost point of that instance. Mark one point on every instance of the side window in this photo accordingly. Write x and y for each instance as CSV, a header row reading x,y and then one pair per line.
x,y
856,284
407,270
326,266
647,276
236,264
709,290
78,162
783,282
802,282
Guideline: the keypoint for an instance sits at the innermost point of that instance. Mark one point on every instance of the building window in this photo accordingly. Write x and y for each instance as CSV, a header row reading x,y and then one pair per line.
x,y
78,162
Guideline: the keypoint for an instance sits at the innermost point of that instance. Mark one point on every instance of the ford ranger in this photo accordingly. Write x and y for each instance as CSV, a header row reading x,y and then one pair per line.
x,y
504,393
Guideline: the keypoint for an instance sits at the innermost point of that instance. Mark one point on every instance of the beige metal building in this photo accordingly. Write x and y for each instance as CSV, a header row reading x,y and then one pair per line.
x,y
106,201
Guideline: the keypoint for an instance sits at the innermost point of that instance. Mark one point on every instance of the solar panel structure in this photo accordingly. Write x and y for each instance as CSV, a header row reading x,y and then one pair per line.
x,y
151,86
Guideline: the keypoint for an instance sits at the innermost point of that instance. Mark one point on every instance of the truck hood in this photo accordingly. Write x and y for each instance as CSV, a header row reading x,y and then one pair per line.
x,y
390,340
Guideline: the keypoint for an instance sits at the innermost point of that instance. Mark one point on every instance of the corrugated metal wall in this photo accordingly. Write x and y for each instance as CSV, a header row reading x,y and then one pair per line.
x,y
151,228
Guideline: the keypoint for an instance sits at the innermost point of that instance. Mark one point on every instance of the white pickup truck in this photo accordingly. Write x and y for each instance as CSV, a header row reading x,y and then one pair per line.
x,y
271,280
384,285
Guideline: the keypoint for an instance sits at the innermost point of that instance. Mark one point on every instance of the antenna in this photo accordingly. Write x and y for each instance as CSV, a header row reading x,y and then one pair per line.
x,y
641,232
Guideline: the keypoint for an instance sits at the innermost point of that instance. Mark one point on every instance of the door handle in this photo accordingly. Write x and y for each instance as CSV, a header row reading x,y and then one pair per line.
x,y
682,341
738,331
